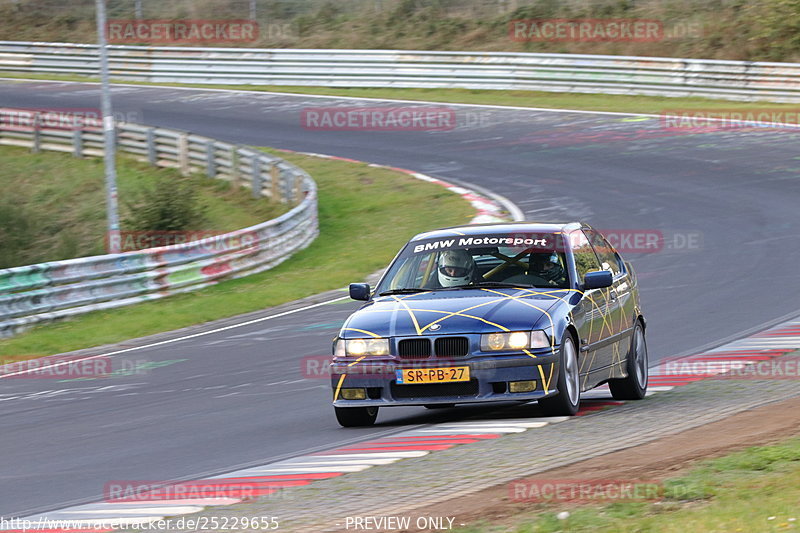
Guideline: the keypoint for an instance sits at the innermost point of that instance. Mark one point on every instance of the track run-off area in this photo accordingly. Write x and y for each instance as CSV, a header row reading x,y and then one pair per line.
x,y
724,200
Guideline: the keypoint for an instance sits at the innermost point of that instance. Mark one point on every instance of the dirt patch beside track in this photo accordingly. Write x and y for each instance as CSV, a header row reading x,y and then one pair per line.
x,y
660,459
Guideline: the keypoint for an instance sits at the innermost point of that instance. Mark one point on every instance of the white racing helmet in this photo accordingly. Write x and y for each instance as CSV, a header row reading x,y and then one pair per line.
x,y
456,267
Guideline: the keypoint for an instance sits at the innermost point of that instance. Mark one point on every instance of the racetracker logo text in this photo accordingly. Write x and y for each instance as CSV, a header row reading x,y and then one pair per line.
x,y
130,31
58,367
586,30
59,118
128,491
413,118
206,240
731,366
584,490
690,119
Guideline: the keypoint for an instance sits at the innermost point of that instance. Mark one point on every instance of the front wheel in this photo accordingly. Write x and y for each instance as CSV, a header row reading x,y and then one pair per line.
x,y
634,386
353,417
568,399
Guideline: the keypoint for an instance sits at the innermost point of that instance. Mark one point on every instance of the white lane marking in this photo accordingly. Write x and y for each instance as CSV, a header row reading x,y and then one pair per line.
x,y
144,511
202,502
487,429
177,339
398,455
499,422
767,343
339,462
135,507
526,422
307,469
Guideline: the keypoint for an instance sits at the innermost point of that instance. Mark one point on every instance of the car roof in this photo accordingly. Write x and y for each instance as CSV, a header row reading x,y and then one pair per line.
x,y
500,228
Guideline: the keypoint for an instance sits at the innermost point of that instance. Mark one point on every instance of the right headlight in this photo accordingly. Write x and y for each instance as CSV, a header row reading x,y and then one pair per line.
x,y
361,347
514,340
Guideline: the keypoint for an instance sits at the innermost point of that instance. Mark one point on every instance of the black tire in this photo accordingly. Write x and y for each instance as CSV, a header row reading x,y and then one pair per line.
x,y
568,399
353,417
439,405
634,386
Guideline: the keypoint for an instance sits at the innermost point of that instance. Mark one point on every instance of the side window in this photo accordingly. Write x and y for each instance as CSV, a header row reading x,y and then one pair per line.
x,y
585,259
425,269
609,260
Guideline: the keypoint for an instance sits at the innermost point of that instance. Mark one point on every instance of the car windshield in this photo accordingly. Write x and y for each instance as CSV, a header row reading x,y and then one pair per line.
x,y
471,261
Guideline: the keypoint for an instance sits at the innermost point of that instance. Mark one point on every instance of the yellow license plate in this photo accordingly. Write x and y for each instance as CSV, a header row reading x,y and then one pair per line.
x,y
412,376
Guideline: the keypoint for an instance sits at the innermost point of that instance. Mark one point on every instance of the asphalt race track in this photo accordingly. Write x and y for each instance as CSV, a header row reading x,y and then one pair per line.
x,y
725,200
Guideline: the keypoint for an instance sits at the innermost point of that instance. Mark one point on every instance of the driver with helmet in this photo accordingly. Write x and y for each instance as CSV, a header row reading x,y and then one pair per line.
x,y
547,267
455,268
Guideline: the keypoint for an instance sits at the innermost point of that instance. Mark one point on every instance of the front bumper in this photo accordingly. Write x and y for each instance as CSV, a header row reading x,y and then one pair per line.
x,y
489,380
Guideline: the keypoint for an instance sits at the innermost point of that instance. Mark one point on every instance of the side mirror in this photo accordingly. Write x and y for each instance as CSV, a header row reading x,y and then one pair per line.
x,y
359,291
597,280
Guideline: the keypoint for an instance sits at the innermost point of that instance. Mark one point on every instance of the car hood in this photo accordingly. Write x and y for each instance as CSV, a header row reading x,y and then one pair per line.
x,y
455,312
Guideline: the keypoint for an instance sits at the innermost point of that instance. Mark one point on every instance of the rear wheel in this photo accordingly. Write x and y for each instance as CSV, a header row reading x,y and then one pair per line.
x,y
634,386
351,417
568,399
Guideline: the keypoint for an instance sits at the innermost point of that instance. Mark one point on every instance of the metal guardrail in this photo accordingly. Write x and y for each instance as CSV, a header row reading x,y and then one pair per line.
x,y
58,289
736,80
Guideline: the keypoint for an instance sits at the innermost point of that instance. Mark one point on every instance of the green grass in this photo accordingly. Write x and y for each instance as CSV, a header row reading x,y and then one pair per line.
x,y
541,99
753,490
53,204
588,102
365,215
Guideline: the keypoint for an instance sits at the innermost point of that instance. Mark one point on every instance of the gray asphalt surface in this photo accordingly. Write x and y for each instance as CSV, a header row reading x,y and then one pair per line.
x,y
726,202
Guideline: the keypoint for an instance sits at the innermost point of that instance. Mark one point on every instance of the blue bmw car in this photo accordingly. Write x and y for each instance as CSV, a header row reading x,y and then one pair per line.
x,y
493,312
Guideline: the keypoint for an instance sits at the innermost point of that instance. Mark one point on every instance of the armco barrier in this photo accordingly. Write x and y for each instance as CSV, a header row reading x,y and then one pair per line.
x,y
737,80
47,291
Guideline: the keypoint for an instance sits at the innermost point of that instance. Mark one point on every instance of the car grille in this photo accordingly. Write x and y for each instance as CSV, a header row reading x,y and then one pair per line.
x,y
451,346
414,348
435,390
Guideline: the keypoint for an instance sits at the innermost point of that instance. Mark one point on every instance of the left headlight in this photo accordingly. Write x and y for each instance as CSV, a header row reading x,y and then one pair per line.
x,y
514,340
361,347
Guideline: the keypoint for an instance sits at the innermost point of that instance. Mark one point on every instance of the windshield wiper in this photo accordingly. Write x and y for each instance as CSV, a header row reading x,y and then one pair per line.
x,y
406,290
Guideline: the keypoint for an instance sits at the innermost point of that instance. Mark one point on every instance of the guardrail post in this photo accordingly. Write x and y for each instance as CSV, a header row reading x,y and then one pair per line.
x,y
211,164
296,193
37,134
151,146
274,181
183,153
77,143
684,73
235,170
255,177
